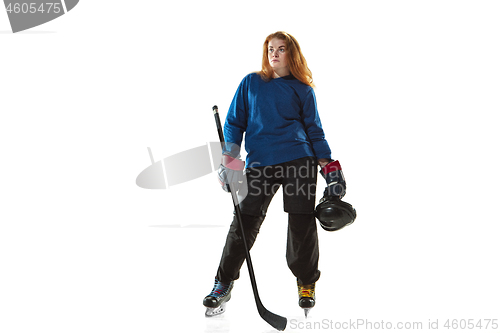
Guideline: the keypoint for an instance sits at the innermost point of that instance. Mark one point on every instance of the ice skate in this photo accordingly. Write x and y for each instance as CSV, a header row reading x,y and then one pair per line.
x,y
307,297
215,302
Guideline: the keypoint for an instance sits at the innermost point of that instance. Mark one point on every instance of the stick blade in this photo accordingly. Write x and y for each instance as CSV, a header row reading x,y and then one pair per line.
x,y
276,321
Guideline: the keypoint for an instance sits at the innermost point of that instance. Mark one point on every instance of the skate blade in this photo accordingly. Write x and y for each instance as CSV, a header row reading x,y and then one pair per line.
x,y
210,312
306,312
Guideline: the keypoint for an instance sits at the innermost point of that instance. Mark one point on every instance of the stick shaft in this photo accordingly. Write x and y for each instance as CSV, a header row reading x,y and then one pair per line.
x,y
219,126
274,320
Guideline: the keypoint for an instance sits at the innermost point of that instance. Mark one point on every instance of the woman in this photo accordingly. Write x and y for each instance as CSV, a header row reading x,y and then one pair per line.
x,y
285,142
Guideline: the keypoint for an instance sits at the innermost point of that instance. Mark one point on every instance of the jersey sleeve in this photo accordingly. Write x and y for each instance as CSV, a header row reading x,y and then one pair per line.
x,y
236,120
312,124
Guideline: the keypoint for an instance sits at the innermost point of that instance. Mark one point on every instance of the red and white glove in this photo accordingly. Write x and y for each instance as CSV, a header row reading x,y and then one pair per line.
x,y
231,173
335,181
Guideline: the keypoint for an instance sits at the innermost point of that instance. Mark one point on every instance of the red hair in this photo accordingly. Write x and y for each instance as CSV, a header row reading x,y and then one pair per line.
x,y
296,61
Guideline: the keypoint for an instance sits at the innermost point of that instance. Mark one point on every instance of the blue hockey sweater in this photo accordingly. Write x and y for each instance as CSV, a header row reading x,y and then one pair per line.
x,y
280,121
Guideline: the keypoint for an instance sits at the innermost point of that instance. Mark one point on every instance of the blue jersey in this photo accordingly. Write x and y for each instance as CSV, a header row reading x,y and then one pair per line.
x,y
280,121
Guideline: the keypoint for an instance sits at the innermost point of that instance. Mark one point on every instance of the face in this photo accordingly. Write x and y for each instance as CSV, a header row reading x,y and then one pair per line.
x,y
277,55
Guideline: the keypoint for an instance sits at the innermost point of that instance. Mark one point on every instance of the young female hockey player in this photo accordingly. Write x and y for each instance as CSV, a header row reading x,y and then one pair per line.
x,y
285,142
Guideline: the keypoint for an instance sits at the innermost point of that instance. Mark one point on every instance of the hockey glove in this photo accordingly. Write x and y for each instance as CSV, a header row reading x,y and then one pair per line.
x,y
231,173
336,186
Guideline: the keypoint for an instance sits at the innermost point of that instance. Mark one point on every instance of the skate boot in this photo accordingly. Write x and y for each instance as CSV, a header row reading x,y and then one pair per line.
x,y
307,297
215,302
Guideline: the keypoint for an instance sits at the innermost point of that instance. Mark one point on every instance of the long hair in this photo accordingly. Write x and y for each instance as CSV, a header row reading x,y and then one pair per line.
x,y
296,61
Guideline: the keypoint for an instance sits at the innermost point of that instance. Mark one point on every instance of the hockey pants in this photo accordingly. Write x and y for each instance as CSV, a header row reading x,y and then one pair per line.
x,y
298,179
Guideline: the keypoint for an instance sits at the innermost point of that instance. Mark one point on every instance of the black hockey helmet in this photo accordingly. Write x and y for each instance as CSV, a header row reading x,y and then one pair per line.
x,y
333,214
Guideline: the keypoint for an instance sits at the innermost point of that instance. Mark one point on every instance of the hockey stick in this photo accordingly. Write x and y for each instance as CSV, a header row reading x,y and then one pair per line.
x,y
272,319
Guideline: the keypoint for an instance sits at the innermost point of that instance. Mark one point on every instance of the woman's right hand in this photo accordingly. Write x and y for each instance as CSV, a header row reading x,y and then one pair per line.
x,y
231,173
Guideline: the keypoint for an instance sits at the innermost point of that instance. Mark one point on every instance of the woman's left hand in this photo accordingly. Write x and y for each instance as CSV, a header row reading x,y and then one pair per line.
x,y
323,161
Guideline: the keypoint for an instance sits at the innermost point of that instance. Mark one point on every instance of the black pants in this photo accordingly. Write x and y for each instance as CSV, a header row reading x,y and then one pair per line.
x,y
298,179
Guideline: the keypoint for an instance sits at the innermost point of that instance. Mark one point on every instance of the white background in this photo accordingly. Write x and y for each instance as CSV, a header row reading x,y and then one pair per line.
x,y
407,94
